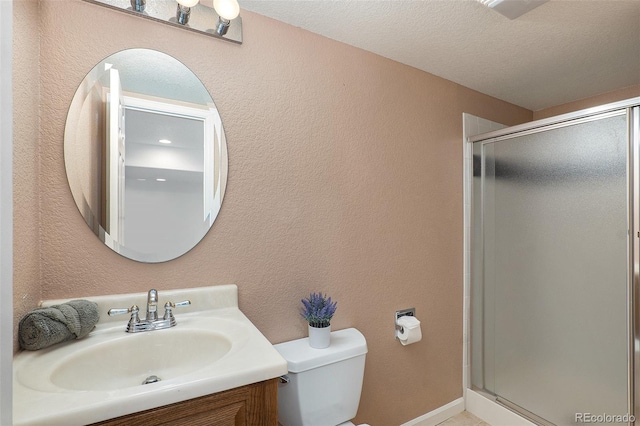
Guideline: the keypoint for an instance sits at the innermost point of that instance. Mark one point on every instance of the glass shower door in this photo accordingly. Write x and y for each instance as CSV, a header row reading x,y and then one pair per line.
x,y
550,269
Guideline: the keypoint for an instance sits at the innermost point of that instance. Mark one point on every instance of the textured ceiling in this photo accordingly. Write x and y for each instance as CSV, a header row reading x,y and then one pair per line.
x,y
562,51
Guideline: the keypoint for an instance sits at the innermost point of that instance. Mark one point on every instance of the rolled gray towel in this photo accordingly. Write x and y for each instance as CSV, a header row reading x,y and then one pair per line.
x,y
44,327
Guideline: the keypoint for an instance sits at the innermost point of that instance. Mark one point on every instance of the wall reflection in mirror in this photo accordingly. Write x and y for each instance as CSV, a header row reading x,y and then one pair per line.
x,y
145,154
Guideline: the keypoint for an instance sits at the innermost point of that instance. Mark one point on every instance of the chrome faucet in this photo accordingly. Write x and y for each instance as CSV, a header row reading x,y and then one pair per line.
x,y
152,305
151,322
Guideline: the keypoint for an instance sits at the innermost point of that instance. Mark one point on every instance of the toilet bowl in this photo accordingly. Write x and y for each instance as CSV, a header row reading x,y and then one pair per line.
x,y
323,386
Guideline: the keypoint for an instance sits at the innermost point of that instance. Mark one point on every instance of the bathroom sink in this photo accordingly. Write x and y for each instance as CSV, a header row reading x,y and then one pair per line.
x,y
137,359
110,373
114,360
119,363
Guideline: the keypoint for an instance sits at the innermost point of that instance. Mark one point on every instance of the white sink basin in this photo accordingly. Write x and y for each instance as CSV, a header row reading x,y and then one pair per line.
x,y
171,354
118,360
101,376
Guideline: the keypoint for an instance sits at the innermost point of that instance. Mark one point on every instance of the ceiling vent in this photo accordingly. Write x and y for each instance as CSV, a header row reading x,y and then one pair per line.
x,y
512,8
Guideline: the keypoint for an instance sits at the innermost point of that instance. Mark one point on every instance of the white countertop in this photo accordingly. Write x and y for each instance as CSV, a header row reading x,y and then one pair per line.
x,y
251,359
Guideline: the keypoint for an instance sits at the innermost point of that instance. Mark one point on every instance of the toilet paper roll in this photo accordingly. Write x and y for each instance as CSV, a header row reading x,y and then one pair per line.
x,y
411,331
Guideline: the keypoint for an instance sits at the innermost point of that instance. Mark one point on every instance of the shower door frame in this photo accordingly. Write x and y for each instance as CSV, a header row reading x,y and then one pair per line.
x,y
631,108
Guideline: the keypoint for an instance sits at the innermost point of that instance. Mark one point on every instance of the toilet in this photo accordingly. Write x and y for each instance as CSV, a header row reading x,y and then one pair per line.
x,y
324,385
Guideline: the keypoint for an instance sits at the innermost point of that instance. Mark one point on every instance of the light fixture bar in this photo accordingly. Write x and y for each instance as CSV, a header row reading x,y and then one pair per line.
x,y
202,19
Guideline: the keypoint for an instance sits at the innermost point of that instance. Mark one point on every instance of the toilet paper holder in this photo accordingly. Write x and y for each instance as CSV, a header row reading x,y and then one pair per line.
x,y
401,313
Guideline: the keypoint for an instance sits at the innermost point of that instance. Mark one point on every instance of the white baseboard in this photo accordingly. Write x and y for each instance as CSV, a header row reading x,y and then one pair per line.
x,y
438,415
491,412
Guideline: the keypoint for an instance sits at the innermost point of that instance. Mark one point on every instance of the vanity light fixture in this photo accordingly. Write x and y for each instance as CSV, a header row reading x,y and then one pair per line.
x,y
161,180
164,141
220,21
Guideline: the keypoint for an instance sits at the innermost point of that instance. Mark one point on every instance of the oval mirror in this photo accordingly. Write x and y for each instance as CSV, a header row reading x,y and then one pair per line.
x,y
145,155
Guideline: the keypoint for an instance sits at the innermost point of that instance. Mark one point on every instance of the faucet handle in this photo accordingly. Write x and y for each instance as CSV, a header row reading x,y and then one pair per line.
x,y
120,311
135,319
168,313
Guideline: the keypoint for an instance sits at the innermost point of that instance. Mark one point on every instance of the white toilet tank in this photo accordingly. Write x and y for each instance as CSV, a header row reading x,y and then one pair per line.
x,y
324,384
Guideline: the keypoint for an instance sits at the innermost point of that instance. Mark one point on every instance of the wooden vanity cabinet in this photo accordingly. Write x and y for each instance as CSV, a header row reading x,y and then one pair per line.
x,y
251,405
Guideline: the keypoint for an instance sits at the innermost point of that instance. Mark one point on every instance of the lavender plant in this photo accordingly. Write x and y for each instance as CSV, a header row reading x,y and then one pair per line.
x,y
317,309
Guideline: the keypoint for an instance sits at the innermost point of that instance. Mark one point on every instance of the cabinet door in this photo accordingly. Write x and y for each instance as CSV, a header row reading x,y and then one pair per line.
x,y
251,405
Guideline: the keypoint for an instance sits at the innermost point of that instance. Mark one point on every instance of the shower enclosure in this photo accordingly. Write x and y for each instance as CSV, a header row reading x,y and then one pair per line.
x,y
554,266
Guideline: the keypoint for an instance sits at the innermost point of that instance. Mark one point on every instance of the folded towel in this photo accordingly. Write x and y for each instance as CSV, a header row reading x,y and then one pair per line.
x,y
44,327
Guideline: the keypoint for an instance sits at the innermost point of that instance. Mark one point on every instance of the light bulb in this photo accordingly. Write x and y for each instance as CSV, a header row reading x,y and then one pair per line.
x,y
188,3
227,9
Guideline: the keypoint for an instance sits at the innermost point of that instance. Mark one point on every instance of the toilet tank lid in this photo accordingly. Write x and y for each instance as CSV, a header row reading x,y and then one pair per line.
x,y
345,344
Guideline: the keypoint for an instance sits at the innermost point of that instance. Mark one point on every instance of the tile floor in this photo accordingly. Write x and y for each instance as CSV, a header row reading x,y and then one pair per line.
x,y
464,419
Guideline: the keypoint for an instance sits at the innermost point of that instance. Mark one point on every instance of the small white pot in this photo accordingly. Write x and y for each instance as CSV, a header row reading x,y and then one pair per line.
x,y
319,338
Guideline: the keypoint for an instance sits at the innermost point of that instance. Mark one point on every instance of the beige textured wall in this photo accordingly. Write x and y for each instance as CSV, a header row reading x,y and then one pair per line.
x,y
605,98
345,176
27,290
